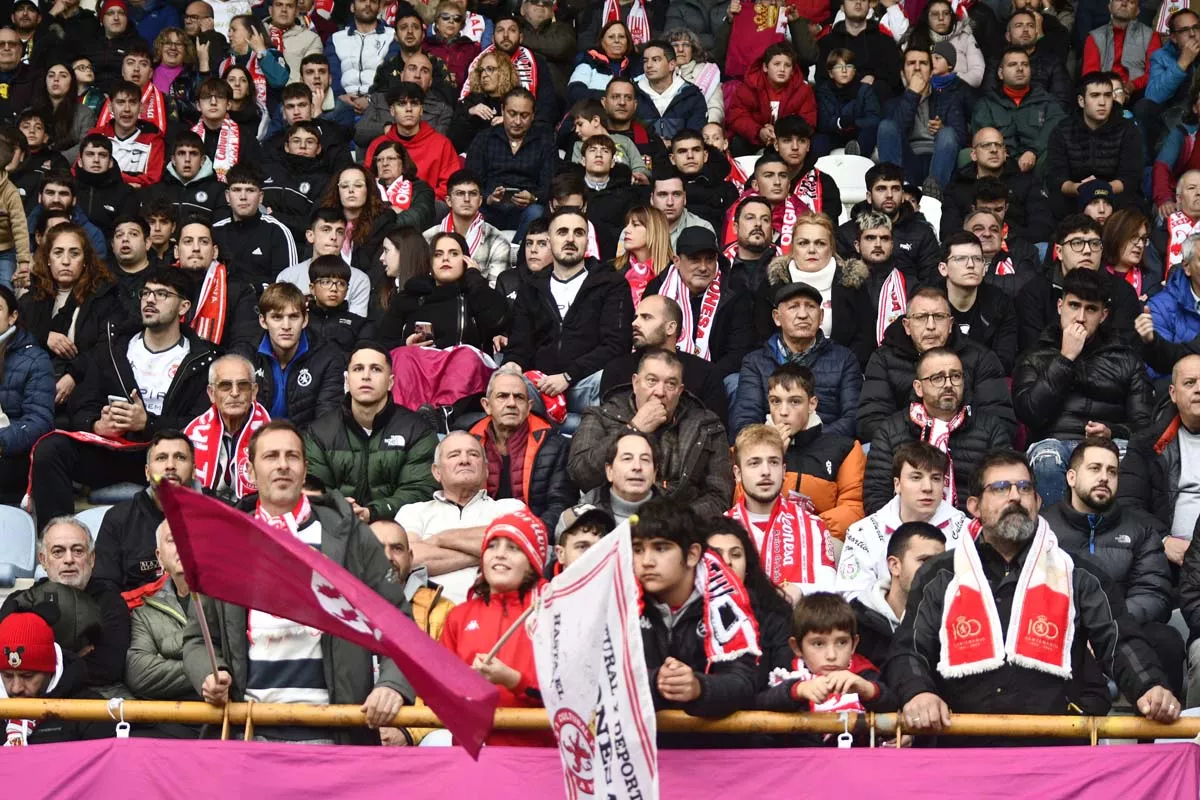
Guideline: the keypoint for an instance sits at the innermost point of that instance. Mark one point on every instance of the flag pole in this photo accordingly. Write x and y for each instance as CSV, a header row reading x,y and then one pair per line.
x,y
508,633
208,644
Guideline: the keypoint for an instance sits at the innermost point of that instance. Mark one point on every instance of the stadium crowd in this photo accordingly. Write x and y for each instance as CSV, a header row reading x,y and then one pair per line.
x,y
449,289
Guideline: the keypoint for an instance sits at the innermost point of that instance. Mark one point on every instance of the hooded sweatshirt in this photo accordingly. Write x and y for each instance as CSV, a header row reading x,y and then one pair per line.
x,y
432,152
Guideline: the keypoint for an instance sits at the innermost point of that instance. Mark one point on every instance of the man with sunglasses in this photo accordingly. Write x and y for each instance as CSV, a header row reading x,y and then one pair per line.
x,y
939,417
159,372
1037,671
1076,245
1028,215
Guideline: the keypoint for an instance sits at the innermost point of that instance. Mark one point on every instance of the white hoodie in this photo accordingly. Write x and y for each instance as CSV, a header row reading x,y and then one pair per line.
x,y
864,556
875,599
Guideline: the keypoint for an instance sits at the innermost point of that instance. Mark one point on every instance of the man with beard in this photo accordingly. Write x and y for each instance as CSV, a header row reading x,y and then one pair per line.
x,y
933,674
752,250
982,312
532,71
1127,543
770,182
916,250
223,306
939,417
888,289
1043,37
125,543
656,324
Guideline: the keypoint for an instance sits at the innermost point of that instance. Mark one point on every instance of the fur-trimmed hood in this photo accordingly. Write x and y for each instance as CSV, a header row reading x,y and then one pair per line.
x,y
851,273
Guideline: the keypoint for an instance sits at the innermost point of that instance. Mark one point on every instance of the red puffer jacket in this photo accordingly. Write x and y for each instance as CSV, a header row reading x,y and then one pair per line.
x,y
751,105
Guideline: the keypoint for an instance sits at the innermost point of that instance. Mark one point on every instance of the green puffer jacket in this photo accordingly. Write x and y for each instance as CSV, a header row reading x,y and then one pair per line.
x,y
382,472
154,664
1025,128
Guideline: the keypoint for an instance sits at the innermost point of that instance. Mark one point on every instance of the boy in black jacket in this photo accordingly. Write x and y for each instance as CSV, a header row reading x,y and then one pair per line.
x,y
329,314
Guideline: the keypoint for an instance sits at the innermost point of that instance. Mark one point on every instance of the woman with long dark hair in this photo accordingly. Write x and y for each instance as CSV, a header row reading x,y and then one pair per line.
x,y
354,190
56,98
403,255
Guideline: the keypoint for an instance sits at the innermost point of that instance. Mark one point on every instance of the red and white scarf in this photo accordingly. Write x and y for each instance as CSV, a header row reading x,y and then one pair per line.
x,y
289,521
808,191
783,219
523,62
207,433
474,235
1041,625
697,343
893,297
730,629
556,405
638,274
256,75
731,252
961,7
400,194
153,110
835,702
937,433
795,547
593,245
637,21
474,26
1133,277
1179,227
209,320
229,145
737,175
1005,265
276,35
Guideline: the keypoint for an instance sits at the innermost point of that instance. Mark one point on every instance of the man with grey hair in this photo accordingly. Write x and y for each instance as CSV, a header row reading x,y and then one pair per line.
x,y
221,435
1170,323
1034,668
67,553
446,532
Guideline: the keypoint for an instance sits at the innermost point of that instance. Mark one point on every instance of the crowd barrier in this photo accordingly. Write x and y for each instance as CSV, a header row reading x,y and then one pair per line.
x,y
884,726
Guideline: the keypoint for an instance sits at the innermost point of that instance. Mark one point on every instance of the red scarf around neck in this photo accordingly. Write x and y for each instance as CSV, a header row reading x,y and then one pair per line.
x,y
937,433
289,521
211,307
153,110
207,432
796,546
637,20
229,145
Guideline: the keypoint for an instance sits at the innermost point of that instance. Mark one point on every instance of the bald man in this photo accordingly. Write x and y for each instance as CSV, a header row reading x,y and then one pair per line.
x,y
1028,216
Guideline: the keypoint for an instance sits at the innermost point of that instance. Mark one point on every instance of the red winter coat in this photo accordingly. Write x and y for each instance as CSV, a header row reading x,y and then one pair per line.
x,y
474,627
432,152
145,149
750,107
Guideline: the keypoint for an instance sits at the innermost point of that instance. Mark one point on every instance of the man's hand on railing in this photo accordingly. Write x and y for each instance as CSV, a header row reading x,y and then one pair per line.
x,y
382,706
927,712
1160,705
215,690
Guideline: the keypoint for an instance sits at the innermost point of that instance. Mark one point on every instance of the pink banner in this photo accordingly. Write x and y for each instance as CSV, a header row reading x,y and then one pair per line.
x,y
155,768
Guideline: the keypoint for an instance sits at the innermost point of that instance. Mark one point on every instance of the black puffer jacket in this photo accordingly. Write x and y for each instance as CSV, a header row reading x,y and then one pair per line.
x,y
1037,307
1111,152
1128,545
315,380
979,435
202,194
1028,216
292,186
1057,398
125,543
992,323
26,393
467,311
887,382
102,307
916,245
105,197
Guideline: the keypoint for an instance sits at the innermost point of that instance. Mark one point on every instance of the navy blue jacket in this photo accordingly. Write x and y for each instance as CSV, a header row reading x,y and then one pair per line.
x,y
687,109
949,104
26,393
838,112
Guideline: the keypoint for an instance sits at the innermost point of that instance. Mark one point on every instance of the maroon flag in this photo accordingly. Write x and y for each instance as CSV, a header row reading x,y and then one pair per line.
x,y
236,558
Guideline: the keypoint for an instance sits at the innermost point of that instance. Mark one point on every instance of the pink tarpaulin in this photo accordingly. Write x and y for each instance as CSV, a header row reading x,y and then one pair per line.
x,y
145,768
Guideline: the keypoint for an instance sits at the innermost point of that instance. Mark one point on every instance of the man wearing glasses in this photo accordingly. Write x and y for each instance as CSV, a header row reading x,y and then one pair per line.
x,y
1079,380
146,381
1076,245
221,435
1028,216
951,654
982,312
17,79
939,417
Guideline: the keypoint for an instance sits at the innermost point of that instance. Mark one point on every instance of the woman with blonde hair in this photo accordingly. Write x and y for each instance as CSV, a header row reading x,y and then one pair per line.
x,y
490,78
645,248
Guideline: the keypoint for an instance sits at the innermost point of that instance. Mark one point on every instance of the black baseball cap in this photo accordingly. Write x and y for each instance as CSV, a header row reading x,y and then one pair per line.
x,y
696,240
789,290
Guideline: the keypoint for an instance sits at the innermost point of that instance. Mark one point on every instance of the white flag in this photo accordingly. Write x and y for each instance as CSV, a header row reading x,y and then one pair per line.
x,y
587,642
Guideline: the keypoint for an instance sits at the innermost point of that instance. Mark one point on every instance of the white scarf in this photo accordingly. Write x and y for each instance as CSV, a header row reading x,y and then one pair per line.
x,y
474,235
229,145
1179,227
892,299
637,21
696,344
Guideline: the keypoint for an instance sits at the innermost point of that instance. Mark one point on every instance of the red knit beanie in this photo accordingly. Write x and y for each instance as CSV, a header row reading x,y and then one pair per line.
x,y
27,643
526,531
107,4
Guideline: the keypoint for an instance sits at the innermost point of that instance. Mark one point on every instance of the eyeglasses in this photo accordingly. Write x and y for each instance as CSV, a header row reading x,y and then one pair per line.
x,y
332,283
173,44
990,146
1188,29
1000,488
939,380
83,68
465,194
488,70
226,387
842,68
10,44
925,319
194,17
977,260
157,294
1079,245
1142,240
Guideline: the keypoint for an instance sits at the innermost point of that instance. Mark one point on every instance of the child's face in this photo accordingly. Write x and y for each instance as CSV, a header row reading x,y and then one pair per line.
x,y
35,133
825,652
1099,210
575,544
841,73
940,65
329,292
588,127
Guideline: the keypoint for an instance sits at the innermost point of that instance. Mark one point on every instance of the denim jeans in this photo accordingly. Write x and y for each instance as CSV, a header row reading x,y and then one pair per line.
x,y
584,394
1048,460
8,266
507,217
893,147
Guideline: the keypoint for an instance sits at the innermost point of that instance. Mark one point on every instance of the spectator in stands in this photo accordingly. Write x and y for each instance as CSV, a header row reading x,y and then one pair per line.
x,y
298,107
916,249
317,76
254,243
1009,527
429,607
27,390
292,38
226,141
491,77
154,665
125,543
532,72
1169,83
221,435
631,474
773,88
591,118
160,242
1011,261
356,52
368,217
526,456
667,103
1124,46
1028,215
572,319
981,311
489,251
882,289
17,79
799,340
330,319
1079,381
579,527
432,152
709,194
448,42
1178,202
1173,321
1126,235
99,185
692,438
939,417
249,669
40,668
69,306
57,193
446,533
137,145
847,108
1024,114
813,188
292,185
1027,28
299,378
404,255
891,370
875,52
939,23
752,250
880,608
511,164
552,39
1097,143
189,182
326,235
608,60
668,195
927,124
160,368
411,198
377,454
222,307
668,550
1077,243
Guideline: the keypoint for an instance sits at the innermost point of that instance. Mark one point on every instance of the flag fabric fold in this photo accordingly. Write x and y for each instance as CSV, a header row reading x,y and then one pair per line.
x,y
233,557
